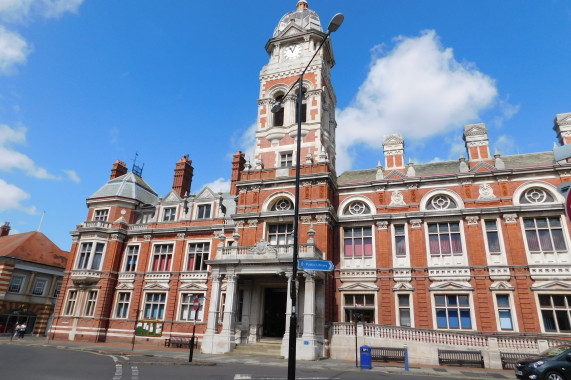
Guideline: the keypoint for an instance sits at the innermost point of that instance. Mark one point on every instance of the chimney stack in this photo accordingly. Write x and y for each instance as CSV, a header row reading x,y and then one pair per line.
x,y
238,165
183,176
393,147
562,126
477,144
119,168
5,229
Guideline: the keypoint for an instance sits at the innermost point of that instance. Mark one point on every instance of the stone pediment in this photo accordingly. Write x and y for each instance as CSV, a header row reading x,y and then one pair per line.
x,y
156,286
395,174
403,286
482,166
450,286
194,286
172,196
125,286
358,286
291,30
475,129
551,285
121,220
501,285
206,193
394,139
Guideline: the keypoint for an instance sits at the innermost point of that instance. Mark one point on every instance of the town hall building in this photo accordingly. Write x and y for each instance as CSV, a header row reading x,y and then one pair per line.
x,y
443,250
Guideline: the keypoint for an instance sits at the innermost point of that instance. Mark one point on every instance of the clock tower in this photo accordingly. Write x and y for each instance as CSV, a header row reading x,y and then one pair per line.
x,y
295,40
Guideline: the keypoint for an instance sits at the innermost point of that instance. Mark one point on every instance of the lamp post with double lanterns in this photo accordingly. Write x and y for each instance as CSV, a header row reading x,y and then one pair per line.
x,y
335,23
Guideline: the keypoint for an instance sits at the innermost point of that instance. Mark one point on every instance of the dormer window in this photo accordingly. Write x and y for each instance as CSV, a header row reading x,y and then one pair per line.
x,y
169,214
101,215
204,211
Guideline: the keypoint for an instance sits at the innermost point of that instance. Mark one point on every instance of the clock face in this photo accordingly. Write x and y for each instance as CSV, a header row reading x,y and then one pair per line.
x,y
292,51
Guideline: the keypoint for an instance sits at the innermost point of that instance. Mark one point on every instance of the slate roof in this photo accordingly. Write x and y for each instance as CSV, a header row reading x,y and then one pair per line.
x,y
451,167
33,247
129,186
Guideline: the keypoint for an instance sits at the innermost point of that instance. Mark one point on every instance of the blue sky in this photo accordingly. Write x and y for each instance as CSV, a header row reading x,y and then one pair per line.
x,y
86,82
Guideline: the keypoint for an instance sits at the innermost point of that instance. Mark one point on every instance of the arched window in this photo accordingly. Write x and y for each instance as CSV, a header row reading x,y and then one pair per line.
x,y
279,116
303,108
441,202
535,195
282,204
356,208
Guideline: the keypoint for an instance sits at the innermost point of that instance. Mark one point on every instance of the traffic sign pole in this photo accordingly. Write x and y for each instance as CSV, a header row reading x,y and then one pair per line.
x,y
195,306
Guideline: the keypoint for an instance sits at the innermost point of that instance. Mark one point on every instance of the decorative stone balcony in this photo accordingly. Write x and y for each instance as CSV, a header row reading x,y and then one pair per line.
x,y
96,224
263,250
85,277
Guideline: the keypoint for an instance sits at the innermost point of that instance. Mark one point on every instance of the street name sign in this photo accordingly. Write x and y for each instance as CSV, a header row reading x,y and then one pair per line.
x,y
321,265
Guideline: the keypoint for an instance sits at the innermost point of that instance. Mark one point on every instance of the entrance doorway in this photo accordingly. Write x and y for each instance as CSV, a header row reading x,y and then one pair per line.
x,y
10,318
275,300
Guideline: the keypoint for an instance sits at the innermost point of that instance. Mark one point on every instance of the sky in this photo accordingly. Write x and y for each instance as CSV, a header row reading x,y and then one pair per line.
x,y
84,83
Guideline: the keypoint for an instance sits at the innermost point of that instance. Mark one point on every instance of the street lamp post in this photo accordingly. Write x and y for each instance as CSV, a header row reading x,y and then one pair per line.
x,y
335,23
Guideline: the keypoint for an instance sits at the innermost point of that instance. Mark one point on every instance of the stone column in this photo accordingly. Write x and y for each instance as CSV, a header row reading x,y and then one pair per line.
x,y
309,307
254,314
246,310
227,336
212,324
285,340
289,110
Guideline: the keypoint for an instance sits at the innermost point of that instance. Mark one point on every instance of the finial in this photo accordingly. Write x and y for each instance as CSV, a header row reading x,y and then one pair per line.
x,y
301,5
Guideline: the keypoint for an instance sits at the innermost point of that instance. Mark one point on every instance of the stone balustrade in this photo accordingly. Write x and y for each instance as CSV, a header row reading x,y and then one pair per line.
x,y
96,224
423,344
85,276
262,250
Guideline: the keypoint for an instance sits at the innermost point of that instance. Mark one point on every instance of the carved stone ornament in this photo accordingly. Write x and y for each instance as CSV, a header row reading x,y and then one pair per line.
x,y
323,218
466,181
416,223
472,220
397,199
254,188
306,183
382,225
510,218
117,237
252,222
306,219
239,223
503,179
262,247
412,186
243,190
148,237
486,192
565,173
74,239
180,236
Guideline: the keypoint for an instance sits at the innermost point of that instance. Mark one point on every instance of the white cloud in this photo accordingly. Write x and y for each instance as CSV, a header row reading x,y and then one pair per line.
x,y
11,159
72,175
418,89
248,142
505,145
221,185
507,111
14,51
24,10
11,198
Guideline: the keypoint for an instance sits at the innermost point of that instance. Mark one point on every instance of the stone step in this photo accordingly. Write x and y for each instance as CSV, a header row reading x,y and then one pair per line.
x,y
269,349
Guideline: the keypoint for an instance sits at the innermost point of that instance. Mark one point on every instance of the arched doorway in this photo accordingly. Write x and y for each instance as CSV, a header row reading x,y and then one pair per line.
x,y
10,318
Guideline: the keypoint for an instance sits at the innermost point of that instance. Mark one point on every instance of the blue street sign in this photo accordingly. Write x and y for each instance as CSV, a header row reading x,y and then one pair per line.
x,y
322,265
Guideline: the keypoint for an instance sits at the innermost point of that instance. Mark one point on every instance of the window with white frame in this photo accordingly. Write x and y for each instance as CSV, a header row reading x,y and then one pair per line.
x,y
535,195
204,211
16,283
122,308
444,238
90,255
169,214
357,208
101,215
57,289
493,236
71,301
39,287
154,307
131,257
404,310
162,257
555,309
544,235
286,160
453,311
280,234
400,239
90,303
357,242
361,305
197,255
187,312
283,204
441,202
504,312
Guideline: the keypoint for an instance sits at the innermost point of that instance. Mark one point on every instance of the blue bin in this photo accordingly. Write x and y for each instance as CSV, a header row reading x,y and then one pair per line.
x,y
366,362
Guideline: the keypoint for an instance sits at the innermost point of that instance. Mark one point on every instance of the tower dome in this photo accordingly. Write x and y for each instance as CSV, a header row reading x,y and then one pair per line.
x,y
303,17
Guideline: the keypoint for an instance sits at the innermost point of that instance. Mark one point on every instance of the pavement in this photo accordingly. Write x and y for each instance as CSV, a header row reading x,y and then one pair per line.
x,y
179,356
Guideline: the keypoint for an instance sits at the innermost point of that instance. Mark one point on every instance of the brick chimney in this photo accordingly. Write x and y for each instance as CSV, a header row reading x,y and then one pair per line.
x,y
477,144
119,168
238,165
562,126
301,5
5,229
182,176
393,147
